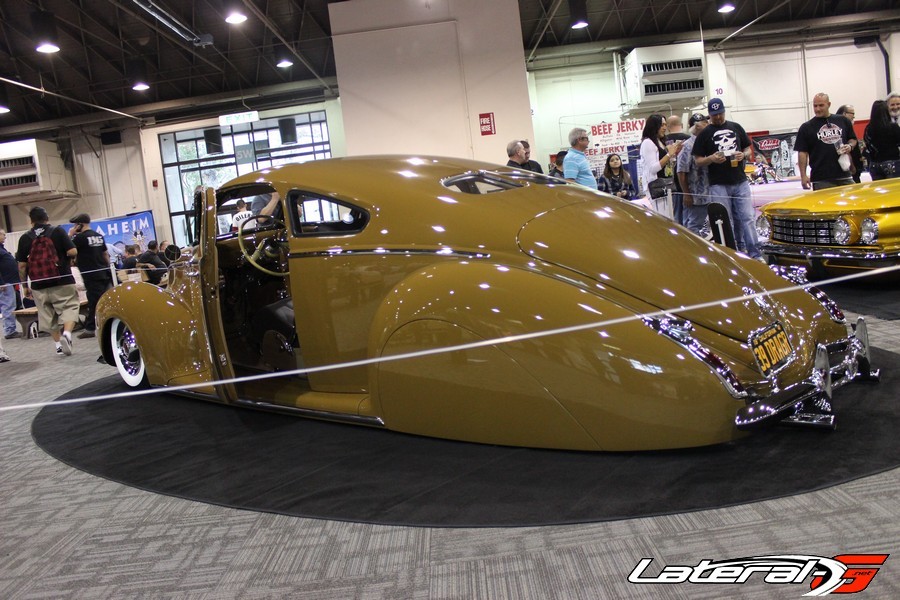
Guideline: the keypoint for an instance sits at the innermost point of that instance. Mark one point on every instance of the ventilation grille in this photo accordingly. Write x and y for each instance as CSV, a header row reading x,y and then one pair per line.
x,y
672,66
17,182
670,87
802,231
17,163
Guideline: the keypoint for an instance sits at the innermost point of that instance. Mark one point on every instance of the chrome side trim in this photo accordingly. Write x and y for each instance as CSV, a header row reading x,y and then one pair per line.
x,y
680,332
385,251
311,413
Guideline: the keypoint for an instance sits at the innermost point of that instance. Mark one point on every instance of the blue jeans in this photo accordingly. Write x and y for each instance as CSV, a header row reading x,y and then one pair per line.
x,y
738,199
694,217
678,208
7,306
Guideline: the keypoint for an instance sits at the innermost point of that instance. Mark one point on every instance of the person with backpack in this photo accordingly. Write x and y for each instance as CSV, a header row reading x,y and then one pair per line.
x,y
44,256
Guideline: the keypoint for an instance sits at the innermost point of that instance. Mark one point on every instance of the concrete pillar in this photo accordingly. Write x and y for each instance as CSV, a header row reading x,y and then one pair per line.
x,y
416,76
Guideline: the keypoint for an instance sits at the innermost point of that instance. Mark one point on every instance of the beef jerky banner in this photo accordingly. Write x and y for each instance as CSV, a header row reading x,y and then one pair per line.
x,y
777,150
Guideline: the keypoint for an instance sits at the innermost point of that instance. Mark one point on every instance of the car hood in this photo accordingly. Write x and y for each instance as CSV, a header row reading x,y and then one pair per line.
x,y
862,197
648,257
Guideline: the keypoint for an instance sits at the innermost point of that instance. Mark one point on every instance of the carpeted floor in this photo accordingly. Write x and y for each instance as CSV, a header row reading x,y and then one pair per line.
x,y
274,463
867,297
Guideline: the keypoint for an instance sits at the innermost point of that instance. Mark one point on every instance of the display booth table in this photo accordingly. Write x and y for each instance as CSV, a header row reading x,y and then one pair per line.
x,y
28,319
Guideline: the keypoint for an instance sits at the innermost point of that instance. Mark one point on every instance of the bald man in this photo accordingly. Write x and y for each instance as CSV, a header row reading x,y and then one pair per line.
x,y
821,144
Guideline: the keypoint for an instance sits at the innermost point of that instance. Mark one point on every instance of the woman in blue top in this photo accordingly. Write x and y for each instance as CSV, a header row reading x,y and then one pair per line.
x,y
616,180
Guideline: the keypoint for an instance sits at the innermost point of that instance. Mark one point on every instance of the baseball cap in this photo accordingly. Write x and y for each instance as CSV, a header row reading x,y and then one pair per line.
x,y
81,218
716,106
696,118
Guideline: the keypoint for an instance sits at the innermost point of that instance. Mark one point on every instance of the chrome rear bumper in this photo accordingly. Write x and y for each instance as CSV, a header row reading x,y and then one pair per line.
x,y
808,403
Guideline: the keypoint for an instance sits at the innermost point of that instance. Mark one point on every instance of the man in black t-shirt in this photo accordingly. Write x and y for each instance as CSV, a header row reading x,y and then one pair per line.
x,y
55,297
151,261
822,143
93,262
721,147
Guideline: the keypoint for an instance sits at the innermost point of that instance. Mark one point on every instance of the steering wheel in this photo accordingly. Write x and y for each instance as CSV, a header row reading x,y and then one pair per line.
x,y
266,248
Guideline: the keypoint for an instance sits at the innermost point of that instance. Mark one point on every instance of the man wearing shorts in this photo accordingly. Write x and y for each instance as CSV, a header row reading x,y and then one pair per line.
x,y
55,297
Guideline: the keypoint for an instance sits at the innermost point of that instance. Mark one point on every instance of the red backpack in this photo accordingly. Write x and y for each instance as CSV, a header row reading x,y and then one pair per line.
x,y
43,260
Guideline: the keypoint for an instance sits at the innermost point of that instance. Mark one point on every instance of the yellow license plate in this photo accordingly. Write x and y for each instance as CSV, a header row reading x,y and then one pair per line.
x,y
771,348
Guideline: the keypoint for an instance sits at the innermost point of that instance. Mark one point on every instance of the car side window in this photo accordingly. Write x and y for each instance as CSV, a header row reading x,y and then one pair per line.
x,y
315,215
242,206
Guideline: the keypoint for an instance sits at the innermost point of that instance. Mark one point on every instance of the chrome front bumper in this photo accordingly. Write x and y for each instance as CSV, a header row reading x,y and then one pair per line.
x,y
808,403
830,253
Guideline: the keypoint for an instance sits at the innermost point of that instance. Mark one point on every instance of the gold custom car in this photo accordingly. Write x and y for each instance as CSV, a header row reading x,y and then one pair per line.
x,y
834,231
377,264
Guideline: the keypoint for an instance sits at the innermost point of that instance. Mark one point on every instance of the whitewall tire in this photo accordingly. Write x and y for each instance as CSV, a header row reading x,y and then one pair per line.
x,y
127,355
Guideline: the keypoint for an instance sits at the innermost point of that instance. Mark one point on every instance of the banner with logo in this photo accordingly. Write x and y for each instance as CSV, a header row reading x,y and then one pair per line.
x,y
136,229
617,137
777,150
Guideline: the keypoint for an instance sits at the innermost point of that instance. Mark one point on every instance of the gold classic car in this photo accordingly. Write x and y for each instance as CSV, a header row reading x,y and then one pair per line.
x,y
457,299
834,231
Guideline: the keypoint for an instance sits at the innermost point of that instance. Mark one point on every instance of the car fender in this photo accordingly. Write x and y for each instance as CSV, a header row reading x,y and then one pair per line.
x,y
169,332
625,385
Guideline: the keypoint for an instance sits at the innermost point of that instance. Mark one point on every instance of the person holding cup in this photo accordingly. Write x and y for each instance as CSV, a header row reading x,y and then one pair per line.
x,y
722,147
824,143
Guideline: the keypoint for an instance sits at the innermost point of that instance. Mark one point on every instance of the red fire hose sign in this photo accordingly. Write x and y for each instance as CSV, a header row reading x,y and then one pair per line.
x,y
486,123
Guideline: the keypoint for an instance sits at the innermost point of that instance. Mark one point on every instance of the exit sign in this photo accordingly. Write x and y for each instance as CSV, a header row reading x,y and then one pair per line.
x,y
238,118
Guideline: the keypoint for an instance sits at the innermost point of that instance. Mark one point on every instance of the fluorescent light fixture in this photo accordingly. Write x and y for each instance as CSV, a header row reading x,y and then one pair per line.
x,y
724,6
4,101
43,27
578,14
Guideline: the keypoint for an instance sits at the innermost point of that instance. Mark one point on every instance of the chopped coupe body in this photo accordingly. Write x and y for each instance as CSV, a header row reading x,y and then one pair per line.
x,y
370,268
835,231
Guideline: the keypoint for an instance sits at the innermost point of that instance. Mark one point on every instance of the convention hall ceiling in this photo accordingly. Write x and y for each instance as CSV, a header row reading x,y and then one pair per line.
x,y
197,65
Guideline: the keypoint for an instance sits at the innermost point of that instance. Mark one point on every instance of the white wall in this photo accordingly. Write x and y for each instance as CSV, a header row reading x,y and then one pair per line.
x,y
414,76
773,87
570,97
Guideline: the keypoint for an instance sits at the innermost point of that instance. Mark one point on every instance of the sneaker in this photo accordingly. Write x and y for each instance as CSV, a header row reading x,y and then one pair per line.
x,y
13,335
85,334
4,357
59,349
66,341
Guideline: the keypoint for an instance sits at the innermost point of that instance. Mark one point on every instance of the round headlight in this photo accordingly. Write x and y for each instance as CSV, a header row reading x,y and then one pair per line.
x,y
841,231
868,231
763,227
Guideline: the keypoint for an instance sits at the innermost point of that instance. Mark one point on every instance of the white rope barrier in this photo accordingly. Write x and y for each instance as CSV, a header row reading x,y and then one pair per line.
x,y
447,349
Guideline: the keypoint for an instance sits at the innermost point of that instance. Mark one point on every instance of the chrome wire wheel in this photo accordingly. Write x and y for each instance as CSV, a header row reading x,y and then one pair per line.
x,y
127,354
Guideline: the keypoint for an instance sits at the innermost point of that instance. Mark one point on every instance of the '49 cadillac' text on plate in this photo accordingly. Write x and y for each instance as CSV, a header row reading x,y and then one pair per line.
x,y
771,348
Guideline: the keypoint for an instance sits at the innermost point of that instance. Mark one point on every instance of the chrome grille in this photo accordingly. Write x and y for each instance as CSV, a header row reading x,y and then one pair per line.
x,y
803,231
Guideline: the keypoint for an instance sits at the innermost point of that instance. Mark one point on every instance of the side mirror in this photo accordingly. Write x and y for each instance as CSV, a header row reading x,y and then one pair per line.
x,y
172,252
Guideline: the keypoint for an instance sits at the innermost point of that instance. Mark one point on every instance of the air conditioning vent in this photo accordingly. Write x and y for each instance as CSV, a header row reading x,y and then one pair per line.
x,y
17,163
674,87
673,66
17,183
33,170
660,75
